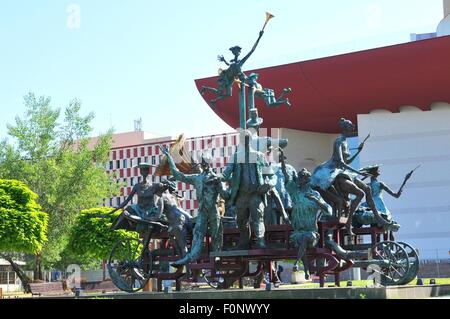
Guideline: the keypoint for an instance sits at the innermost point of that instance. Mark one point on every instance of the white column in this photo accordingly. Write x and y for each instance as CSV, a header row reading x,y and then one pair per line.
x,y
446,4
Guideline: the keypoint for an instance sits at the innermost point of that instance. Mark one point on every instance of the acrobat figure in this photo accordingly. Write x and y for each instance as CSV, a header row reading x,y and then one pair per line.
x,y
228,76
268,95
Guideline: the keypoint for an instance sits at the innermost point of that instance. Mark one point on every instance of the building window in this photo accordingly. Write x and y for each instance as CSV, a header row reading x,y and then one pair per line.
x,y
132,181
146,159
118,201
153,160
139,160
117,164
131,162
222,151
111,165
110,202
125,163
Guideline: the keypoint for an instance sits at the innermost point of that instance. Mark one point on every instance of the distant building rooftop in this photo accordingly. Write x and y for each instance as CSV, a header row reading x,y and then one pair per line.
x,y
128,139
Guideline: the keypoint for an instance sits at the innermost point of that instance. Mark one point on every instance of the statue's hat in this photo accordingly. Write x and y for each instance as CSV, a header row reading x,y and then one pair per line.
x,y
254,119
236,48
144,166
371,168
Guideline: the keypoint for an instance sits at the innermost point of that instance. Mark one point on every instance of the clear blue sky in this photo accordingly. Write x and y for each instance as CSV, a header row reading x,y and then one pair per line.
x,y
139,58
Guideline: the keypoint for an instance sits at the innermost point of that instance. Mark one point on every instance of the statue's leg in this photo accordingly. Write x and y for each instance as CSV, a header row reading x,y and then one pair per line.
x,y
215,228
198,236
295,267
179,240
243,215
306,266
222,92
339,201
281,98
301,255
275,275
257,219
209,89
268,215
197,240
349,187
228,90
174,241
333,200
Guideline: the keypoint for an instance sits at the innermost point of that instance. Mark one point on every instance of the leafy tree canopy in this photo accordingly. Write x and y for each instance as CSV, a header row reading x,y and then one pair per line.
x,y
23,225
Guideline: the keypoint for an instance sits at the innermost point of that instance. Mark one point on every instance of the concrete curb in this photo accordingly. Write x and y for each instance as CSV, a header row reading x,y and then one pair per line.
x,y
396,292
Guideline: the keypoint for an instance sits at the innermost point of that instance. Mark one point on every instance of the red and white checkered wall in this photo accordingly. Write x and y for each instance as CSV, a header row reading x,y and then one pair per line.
x,y
123,164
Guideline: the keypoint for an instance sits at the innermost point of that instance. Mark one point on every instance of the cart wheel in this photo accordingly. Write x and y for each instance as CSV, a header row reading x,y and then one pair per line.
x,y
130,265
394,266
414,263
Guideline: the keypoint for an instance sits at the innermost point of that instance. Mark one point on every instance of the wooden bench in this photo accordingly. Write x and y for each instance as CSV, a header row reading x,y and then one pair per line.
x,y
48,289
99,287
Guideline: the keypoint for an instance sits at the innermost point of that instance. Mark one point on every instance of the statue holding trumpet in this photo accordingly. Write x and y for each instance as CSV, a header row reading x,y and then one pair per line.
x,y
234,71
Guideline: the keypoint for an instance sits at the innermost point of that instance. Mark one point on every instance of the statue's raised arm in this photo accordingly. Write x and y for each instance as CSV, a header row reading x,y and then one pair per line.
x,y
252,50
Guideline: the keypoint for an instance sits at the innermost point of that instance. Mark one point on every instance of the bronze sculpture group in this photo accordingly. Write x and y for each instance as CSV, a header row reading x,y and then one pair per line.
x,y
256,192
249,185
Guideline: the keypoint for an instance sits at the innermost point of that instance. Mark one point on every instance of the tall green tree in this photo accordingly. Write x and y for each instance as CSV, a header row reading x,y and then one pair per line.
x,y
23,225
55,158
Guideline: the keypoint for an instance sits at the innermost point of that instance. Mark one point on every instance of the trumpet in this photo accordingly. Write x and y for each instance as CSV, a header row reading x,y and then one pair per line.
x,y
268,17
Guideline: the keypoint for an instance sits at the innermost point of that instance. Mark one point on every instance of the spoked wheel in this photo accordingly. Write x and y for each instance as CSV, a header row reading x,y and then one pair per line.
x,y
130,265
414,262
394,263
